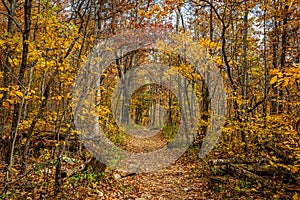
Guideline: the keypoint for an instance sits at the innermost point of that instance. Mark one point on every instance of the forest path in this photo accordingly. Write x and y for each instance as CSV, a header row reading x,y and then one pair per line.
x,y
178,181
143,141
184,179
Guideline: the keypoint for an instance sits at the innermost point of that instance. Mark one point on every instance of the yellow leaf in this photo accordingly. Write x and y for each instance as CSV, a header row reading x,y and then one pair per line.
x,y
285,82
140,12
273,80
292,81
280,75
273,71
11,101
294,169
1,95
272,164
4,89
20,94
295,196
2,42
23,141
14,170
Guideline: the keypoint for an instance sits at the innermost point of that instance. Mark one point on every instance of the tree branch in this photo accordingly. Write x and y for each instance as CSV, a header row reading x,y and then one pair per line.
x,y
18,25
5,5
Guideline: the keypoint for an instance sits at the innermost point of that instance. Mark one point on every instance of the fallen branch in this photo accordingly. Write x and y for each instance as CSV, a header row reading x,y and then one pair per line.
x,y
243,172
230,166
235,161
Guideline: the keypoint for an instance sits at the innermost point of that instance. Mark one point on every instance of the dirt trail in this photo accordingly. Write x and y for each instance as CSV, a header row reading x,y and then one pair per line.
x,y
144,144
179,181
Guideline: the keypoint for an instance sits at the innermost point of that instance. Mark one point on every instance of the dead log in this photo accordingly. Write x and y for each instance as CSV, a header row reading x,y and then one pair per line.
x,y
236,161
243,172
230,166
240,171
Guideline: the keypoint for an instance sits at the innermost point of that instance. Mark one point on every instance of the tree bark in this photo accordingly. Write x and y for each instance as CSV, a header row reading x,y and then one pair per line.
x,y
244,77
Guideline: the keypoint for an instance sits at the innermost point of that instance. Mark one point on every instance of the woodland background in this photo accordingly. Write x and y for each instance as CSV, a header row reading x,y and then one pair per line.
x,y
255,45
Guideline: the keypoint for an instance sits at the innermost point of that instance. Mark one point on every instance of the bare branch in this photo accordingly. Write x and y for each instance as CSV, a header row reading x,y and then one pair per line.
x,y
9,16
5,5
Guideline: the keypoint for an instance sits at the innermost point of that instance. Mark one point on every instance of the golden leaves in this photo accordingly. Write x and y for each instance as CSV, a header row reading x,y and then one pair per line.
x,y
286,78
208,44
273,80
295,196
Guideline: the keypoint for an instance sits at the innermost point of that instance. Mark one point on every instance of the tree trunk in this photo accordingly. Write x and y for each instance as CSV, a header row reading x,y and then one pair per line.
x,y
244,77
6,66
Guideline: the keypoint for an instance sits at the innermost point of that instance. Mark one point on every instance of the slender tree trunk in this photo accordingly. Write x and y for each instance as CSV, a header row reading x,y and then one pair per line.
x,y
284,38
18,106
181,103
6,66
12,149
154,108
26,33
274,103
266,80
44,97
244,77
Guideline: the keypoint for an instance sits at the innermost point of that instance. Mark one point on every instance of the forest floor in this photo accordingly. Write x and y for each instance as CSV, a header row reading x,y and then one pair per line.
x,y
179,181
187,178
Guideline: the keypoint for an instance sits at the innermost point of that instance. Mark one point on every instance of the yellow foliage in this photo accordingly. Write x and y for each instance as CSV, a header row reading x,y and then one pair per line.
x,y
295,196
273,80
